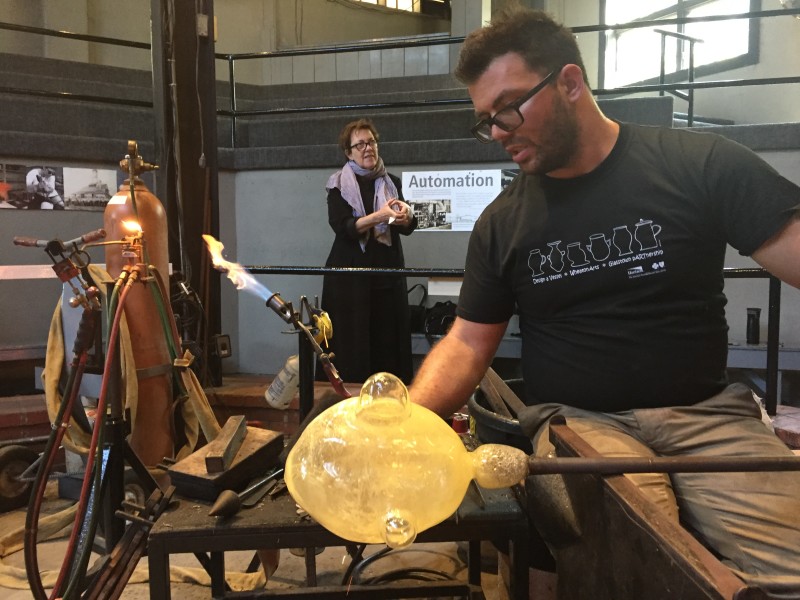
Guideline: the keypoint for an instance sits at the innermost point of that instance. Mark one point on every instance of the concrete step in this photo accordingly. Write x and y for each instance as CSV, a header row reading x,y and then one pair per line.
x,y
48,128
304,130
444,123
67,69
59,83
77,118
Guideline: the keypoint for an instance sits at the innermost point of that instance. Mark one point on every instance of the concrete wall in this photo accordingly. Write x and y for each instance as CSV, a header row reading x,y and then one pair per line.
x,y
29,303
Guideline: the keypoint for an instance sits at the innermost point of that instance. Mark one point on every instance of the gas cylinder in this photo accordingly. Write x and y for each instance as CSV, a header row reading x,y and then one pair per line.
x,y
152,436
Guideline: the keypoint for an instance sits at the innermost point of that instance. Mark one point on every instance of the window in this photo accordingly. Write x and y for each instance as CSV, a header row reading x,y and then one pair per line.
x,y
433,8
408,5
436,8
634,55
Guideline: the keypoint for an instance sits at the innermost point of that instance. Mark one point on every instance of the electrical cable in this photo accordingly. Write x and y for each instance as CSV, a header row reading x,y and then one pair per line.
x,y
356,568
410,573
364,563
356,558
184,265
210,30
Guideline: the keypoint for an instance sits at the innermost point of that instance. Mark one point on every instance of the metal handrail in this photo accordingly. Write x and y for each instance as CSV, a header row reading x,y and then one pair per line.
x,y
73,36
688,96
773,310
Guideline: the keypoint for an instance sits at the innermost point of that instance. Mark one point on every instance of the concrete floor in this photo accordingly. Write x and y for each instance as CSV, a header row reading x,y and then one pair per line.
x,y
331,564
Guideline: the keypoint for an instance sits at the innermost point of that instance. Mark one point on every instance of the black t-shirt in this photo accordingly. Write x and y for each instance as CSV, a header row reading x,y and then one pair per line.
x,y
617,274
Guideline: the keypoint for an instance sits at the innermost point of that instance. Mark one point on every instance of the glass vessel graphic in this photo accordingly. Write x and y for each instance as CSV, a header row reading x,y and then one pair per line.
x,y
576,255
535,262
622,240
646,234
599,247
556,256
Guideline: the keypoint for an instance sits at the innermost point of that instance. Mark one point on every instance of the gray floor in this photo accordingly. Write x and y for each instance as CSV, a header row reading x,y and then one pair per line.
x,y
331,564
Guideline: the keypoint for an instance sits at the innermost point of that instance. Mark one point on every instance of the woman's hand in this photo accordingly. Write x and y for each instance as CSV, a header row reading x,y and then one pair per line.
x,y
402,212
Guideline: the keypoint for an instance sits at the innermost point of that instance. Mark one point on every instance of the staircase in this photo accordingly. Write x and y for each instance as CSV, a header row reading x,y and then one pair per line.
x,y
423,132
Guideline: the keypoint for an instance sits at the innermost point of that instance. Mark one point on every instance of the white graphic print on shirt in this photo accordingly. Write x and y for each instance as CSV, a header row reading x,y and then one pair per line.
x,y
619,247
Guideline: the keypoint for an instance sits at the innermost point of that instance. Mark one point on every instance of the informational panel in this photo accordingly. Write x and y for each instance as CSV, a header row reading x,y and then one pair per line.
x,y
451,200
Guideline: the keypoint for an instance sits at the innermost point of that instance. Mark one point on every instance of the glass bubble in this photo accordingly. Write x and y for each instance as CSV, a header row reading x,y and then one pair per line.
x,y
380,469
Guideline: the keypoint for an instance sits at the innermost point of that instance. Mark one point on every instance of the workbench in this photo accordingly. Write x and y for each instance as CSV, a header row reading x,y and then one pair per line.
x,y
274,523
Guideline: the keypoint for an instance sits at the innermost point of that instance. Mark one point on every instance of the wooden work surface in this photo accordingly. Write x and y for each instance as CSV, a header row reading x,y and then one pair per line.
x,y
274,523
259,451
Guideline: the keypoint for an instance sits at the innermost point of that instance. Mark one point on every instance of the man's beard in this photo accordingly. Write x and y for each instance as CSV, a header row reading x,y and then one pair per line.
x,y
558,140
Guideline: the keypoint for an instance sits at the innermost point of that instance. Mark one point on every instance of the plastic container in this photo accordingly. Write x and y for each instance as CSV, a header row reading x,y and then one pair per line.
x,y
284,387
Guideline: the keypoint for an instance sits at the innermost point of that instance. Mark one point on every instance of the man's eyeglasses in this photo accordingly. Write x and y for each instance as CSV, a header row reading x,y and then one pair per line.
x,y
508,118
360,146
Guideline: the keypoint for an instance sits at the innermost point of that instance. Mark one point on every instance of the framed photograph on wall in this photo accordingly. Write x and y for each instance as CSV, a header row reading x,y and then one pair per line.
x,y
50,187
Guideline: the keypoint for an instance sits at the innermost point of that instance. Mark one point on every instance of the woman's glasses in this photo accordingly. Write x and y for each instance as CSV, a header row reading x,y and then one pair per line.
x,y
360,146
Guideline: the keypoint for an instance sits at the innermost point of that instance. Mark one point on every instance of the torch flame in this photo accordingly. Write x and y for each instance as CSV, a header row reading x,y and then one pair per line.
x,y
240,276
132,226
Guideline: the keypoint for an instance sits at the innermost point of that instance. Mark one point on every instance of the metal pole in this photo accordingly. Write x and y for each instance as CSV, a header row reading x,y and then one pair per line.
x,y
661,464
773,342
306,369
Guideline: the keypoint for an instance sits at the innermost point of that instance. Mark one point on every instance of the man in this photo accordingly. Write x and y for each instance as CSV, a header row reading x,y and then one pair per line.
x,y
611,244
41,184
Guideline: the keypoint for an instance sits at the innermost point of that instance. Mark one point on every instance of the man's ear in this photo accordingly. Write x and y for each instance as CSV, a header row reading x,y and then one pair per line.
x,y
572,80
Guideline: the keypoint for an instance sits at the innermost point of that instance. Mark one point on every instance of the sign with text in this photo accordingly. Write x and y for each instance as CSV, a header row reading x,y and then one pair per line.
x,y
450,200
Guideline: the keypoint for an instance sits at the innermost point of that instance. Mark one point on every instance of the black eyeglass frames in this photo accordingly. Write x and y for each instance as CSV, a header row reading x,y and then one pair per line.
x,y
360,146
509,117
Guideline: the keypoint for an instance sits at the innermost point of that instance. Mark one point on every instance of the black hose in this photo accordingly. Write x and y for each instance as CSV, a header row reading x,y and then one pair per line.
x,y
354,560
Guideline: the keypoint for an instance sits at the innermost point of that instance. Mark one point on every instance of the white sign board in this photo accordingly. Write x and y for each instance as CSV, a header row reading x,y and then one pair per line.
x,y
450,200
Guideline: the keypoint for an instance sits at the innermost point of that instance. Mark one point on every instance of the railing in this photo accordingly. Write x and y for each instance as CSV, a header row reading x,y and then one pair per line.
x,y
676,89
773,309
233,112
688,96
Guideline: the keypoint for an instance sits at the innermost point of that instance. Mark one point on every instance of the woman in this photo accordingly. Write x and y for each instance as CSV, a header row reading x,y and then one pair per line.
x,y
367,214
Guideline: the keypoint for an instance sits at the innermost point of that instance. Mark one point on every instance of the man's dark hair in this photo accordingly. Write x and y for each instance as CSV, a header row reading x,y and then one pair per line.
x,y
344,136
544,44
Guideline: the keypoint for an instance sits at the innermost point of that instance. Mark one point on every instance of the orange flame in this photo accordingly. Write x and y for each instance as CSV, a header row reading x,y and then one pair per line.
x,y
240,276
132,226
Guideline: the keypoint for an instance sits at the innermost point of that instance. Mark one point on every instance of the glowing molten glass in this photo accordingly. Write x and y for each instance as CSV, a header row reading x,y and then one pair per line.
x,y
380,469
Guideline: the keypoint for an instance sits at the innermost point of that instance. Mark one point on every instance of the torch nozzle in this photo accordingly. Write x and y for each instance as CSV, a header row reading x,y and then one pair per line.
x,y
282,308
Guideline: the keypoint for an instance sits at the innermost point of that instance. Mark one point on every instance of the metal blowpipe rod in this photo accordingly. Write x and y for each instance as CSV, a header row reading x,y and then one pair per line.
x,y
661,464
